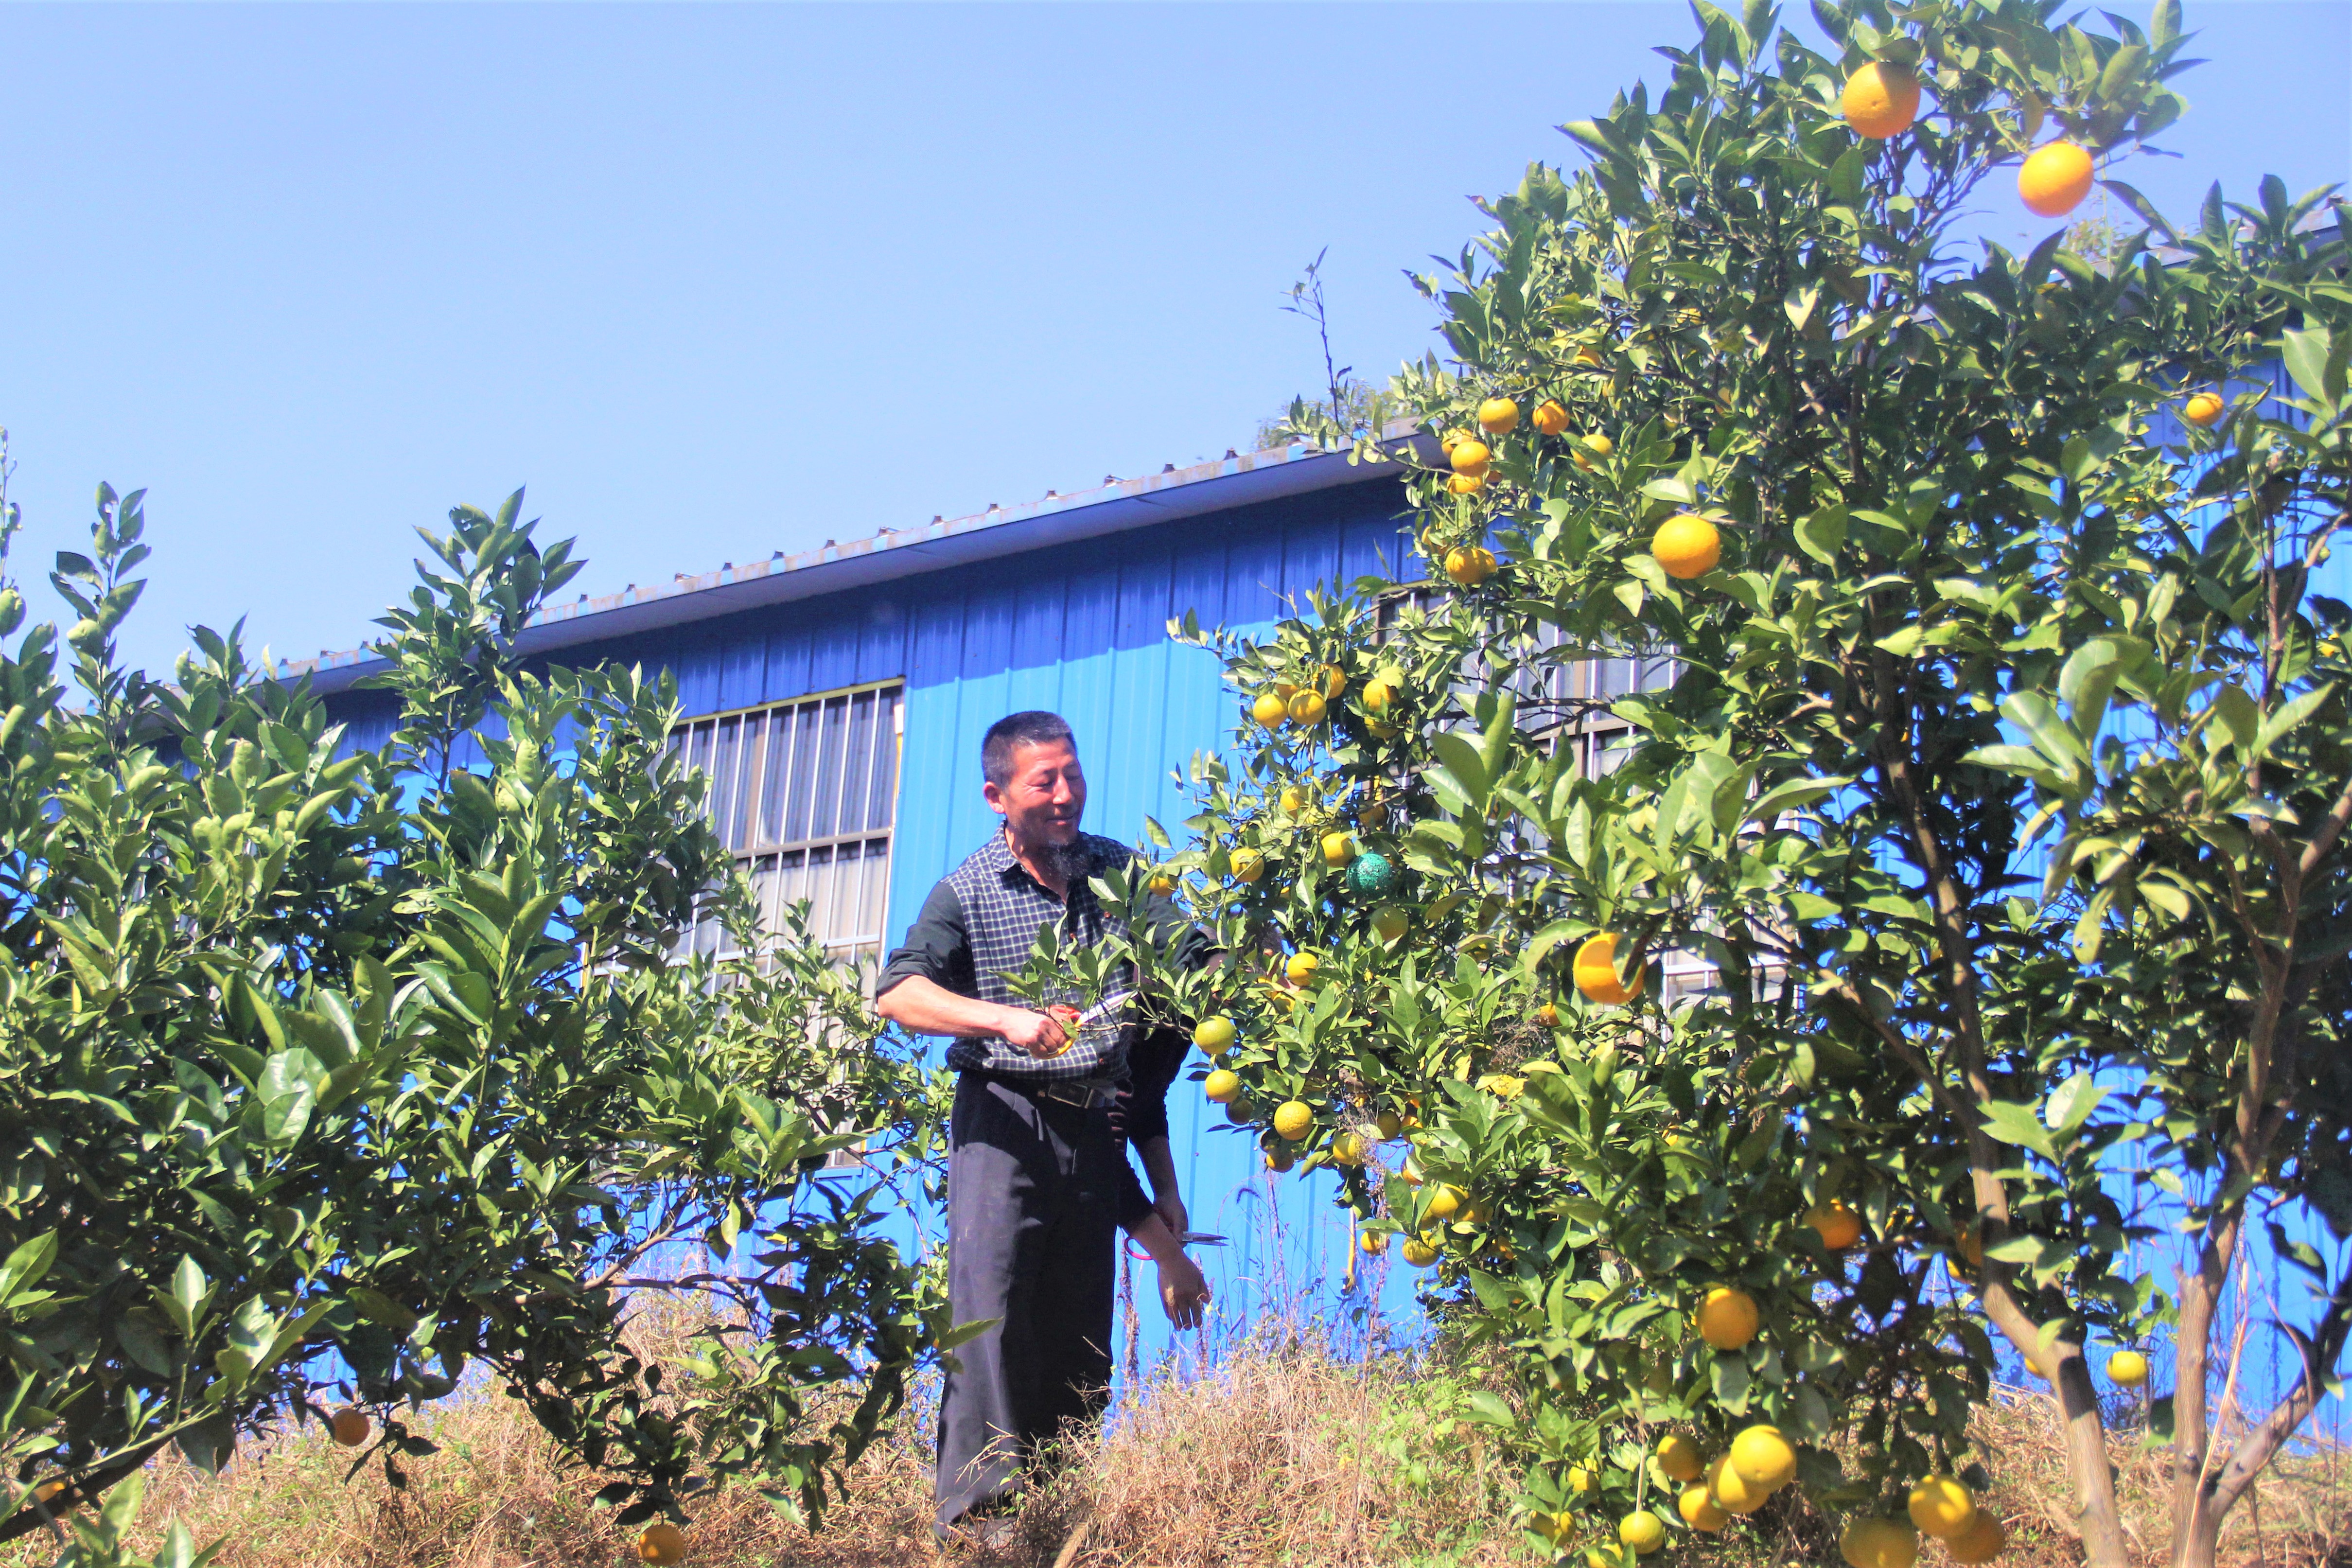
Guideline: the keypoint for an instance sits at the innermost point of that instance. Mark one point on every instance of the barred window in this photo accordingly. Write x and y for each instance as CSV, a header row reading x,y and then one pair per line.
x,y
805,794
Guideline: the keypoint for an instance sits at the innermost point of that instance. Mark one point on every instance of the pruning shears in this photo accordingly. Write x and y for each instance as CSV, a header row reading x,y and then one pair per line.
x,y
1188,1239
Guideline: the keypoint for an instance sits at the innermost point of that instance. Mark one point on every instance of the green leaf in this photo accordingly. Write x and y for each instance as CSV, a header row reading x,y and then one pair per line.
x,y
2088,680
2013,1123
26,1267
2236,721
2071,1104
1822,534
1782,797
1460,761
2310,358
1489,1408
1727,1376
2289,715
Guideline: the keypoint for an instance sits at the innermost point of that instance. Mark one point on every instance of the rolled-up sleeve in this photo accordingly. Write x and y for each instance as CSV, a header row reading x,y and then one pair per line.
x,y
938,947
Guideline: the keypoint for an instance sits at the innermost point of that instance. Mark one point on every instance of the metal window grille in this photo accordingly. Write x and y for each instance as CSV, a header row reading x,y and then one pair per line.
x,y
805,794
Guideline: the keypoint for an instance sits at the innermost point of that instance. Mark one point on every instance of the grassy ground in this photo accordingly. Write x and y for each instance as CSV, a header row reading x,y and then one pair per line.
x,y
1286,1457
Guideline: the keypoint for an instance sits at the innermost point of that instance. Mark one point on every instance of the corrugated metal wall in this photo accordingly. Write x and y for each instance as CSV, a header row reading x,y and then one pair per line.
x,y
1082,630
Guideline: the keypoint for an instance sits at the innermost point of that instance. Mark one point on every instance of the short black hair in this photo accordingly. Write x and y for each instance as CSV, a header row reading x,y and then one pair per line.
x,y
1033,727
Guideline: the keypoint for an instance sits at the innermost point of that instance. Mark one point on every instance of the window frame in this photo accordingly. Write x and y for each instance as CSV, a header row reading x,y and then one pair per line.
x,y
740,803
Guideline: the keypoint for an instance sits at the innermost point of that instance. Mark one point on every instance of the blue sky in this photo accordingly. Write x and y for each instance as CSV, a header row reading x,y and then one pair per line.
x,y
717,282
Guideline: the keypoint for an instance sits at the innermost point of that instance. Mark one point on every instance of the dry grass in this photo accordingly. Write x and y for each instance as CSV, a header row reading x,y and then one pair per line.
x,y
1282,1456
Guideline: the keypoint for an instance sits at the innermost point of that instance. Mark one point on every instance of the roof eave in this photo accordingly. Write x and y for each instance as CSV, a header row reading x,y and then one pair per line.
x,y
1219,485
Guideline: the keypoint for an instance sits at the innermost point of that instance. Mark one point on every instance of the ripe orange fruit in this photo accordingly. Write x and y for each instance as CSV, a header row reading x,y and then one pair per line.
x,y
1269,709
1451,439
1941,1507
1469,564
1642,1532
1879,1544
348,1426
2054,178
1300,967
1373,1242
1548,1015
1881,101
1980,1543
1498,416
1221,1086
2127,1369
1687,545
1335,682
1339,848
1418,1251
1378,696
1465,484
1294,1119
1551,418
1838,1226
1728,1319
1471,458
1762,1457
1347,1149
1248,864
662,1542
1597,446
2204,410
1587,356
1162,884
1699,1510
1307,707
1681,1458
1596,972
1728,1492
1443,1201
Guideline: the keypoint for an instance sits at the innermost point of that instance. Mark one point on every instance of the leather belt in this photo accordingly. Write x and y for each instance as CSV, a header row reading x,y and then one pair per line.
x,y
1080,1092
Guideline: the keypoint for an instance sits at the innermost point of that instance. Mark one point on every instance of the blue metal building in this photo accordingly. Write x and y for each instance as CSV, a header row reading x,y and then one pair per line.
x,y
838,698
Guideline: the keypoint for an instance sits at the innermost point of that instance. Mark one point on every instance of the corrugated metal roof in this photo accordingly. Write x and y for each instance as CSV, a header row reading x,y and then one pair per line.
x,y
1110,508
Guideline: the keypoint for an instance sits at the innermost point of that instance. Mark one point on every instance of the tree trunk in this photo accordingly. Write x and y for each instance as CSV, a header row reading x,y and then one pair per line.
x,y
2196,1545
2099,1519
2200,1295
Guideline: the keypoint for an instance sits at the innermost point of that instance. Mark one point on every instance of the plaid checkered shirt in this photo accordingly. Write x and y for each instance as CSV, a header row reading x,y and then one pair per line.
x,y
1001,909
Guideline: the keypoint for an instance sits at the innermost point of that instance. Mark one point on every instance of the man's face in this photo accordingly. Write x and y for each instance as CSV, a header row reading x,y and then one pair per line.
x,y
1046,794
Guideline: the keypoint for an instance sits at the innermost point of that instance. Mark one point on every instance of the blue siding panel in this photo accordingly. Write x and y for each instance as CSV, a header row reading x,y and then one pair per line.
x,y
788,657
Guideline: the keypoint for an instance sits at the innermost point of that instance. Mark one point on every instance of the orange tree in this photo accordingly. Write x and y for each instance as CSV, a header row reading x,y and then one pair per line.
x,y
1996,783
339,1077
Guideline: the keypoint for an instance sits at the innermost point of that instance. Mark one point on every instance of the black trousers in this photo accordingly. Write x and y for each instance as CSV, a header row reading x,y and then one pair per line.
x,y
1031,1236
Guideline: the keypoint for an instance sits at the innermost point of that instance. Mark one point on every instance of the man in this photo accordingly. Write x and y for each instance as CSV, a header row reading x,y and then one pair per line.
x,y
1037,1181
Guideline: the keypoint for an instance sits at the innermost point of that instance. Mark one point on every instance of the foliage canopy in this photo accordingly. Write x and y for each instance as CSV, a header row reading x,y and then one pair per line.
x,y
2000,782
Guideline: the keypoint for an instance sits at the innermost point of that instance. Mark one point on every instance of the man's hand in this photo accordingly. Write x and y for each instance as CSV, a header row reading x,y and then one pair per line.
x,y
1034,1033
1171,1210
1183,1290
